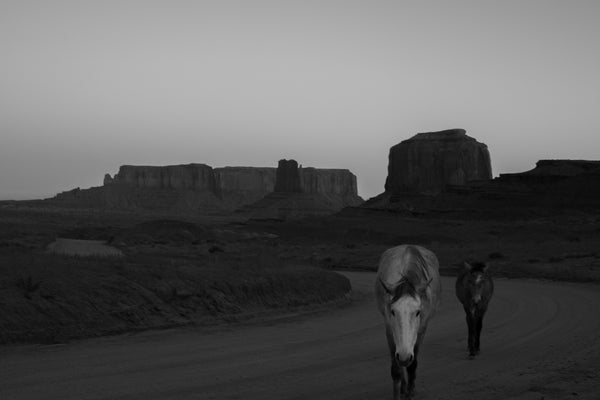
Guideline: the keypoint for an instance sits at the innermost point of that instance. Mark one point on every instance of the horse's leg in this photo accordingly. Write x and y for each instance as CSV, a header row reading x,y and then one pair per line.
x,y
412,374
399,379
478,326
471,327
398,372
412,368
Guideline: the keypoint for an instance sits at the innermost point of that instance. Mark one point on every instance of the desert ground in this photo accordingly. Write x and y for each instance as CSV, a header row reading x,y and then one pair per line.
x,y
531,349
159,321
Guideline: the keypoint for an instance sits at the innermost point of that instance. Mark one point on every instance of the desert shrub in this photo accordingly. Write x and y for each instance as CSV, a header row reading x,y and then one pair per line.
x,y
28,285
215,249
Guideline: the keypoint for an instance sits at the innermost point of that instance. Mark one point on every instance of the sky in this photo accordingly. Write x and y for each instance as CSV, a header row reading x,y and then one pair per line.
x,y
87,86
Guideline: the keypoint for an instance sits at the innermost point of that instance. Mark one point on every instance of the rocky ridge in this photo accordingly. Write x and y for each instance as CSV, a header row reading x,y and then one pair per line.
x,y
201,188
552,187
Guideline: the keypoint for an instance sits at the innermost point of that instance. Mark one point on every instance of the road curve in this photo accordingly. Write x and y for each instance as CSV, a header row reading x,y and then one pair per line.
x,y
539,339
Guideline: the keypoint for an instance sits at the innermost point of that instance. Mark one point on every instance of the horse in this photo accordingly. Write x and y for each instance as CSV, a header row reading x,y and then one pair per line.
x,y
474,289
408,292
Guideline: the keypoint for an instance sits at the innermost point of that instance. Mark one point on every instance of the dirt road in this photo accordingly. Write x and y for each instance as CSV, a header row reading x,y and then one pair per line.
x,y
540,340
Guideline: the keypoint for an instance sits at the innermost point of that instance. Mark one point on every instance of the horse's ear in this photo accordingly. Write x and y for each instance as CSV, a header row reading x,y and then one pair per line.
x,y
486,266
468,266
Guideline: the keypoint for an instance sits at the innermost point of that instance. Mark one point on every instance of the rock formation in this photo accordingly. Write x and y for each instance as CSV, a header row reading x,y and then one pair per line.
x,y
555,170
301,192
553,186
427,162
248,179
244,185
189,176
199,188
340,182
552,183
172,188
292,178
107,179
288,177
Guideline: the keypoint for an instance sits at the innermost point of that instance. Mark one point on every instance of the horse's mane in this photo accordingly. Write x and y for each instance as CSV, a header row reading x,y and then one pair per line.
x,y
404,289
414,277
477,266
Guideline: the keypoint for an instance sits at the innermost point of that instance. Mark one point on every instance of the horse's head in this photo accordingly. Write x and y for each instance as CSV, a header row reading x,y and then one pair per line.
x,y
404,312
475,279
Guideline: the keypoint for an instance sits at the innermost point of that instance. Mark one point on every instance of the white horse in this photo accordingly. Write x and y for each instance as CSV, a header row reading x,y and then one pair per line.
x,y
408,292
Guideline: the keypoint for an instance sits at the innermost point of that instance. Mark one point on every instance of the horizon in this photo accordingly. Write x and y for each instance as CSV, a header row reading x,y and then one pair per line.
x,y
88,87
113,174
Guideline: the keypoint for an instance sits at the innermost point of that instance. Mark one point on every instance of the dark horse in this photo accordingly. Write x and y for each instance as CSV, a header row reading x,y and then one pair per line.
x,y
408,292
474,289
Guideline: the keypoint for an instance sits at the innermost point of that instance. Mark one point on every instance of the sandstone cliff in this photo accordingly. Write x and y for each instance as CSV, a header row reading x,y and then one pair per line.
x,y
555,183
288,177
546,170
199,188
260,179
189,176
427,162
292,178
244,185
339,182
301,192
553,186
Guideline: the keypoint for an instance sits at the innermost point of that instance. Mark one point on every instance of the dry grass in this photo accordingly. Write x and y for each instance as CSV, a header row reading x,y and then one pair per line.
x,y
51,298
562,247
